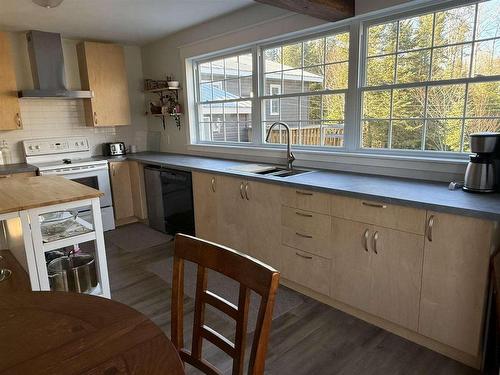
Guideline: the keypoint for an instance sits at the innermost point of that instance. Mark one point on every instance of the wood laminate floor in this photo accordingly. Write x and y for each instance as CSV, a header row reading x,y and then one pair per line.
x,y
312,338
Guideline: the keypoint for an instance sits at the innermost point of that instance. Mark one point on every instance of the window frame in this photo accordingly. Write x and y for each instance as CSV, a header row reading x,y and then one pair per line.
x,y
361,88
357,28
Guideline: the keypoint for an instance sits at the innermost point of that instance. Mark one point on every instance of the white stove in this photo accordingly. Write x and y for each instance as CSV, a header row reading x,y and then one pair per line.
x,y
71,158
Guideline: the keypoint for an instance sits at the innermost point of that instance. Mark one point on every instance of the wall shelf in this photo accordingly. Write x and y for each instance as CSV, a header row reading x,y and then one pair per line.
x,y
168,96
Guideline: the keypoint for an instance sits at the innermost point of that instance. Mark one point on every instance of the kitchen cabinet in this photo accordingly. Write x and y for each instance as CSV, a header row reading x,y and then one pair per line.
x,y
205,190
455,280
10,113
103,71
232,213
263,214
122,192
138,189
377,270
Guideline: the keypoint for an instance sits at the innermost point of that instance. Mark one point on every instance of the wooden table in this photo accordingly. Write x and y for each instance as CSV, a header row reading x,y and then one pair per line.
x,y
67,333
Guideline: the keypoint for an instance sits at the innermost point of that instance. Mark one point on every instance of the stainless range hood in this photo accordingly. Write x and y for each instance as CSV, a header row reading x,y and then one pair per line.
x,y
47,66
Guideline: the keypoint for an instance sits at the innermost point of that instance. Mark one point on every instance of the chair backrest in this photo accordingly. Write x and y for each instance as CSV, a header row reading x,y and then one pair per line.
x,y
251,275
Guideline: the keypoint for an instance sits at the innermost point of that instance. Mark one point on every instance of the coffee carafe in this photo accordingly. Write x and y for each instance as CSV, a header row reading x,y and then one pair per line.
x,y
480,175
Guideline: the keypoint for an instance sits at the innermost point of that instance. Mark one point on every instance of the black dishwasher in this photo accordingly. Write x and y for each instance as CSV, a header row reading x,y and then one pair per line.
x,y
169,197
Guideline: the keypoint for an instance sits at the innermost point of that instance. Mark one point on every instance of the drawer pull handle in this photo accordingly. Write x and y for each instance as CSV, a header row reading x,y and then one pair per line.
x,y
375,240
303,214
304,256
302,192
303,235
19,122
246,192
213,184
241,191
377,205
95,118
365,236
430,225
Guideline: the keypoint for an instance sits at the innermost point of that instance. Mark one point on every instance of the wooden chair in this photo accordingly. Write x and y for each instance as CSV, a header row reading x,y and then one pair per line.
x,y
251,275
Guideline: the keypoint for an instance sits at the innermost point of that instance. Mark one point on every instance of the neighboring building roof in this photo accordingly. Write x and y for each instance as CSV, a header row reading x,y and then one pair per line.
x,y
289,73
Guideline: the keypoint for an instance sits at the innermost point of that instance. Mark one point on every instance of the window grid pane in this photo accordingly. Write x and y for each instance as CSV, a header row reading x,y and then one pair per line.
x,y
440,46
312,68
223,85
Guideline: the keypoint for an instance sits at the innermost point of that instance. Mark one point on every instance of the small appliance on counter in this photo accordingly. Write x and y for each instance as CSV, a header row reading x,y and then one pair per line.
x,y
481,175
114,149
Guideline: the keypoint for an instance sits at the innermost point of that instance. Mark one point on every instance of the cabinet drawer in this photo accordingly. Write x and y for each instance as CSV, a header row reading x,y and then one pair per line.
x,y
306,230
407,219
306,200
306,269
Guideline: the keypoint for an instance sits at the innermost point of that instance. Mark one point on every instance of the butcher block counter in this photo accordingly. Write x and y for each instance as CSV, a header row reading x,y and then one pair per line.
x,y
46,215
25,193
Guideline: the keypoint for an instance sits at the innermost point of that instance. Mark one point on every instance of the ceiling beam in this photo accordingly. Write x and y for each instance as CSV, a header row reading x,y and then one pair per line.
x,y
330,10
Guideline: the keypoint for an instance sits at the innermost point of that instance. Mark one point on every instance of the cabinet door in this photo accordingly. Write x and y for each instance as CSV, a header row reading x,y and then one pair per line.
x,y
10,114
264,221
232,213
454,282
351,263
122,191
396,266
205,189
102,70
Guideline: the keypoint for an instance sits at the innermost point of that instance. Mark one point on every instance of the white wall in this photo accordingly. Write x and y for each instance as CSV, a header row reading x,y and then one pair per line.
x,y
44,118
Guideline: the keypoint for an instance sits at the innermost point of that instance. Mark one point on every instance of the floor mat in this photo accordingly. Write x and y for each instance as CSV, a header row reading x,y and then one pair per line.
x,y
135,237
286,299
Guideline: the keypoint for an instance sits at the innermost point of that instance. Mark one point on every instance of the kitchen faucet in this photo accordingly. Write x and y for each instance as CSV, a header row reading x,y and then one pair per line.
x,y
290,157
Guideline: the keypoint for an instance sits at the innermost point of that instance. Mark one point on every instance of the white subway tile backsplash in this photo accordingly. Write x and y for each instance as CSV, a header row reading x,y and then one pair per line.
x,y
44,118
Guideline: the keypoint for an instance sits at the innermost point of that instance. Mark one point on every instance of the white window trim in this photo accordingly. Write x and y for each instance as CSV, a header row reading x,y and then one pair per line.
x,y
353,97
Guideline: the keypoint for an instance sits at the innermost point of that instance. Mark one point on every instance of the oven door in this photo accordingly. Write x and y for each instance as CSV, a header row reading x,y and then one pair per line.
x,y
96,177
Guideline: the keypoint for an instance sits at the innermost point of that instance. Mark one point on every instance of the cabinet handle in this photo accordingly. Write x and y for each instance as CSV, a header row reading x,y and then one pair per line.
x,y
213,184
430,225
302,192
241,191
365,236
246,192
18,120
375,239
303,235
303,214
304,256
95,118
113,172
377,205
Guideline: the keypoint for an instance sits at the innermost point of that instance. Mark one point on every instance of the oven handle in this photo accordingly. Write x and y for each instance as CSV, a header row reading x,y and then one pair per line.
x,y
73,172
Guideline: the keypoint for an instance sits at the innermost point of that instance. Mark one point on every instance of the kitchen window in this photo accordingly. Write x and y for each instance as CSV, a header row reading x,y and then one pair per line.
x,y
304,85
432,79
224,98
421,83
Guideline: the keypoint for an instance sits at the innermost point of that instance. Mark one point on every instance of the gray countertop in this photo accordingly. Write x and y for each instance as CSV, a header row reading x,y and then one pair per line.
x,y
17,168
416,193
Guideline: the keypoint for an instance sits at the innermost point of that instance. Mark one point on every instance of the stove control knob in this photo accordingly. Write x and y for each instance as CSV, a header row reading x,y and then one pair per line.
x,y
37,147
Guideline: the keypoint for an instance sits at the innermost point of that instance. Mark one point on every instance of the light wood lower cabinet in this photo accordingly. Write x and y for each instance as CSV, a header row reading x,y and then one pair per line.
x,y
205,190
426,281
396,275
455,279
122,191
232,213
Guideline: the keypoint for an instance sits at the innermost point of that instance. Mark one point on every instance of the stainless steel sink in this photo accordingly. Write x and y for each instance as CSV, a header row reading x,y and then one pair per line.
x,y
282,172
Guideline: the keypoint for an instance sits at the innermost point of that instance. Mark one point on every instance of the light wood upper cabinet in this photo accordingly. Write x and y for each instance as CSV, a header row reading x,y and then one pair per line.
x,y
102,70
205,190
122,191
455,279
10,115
